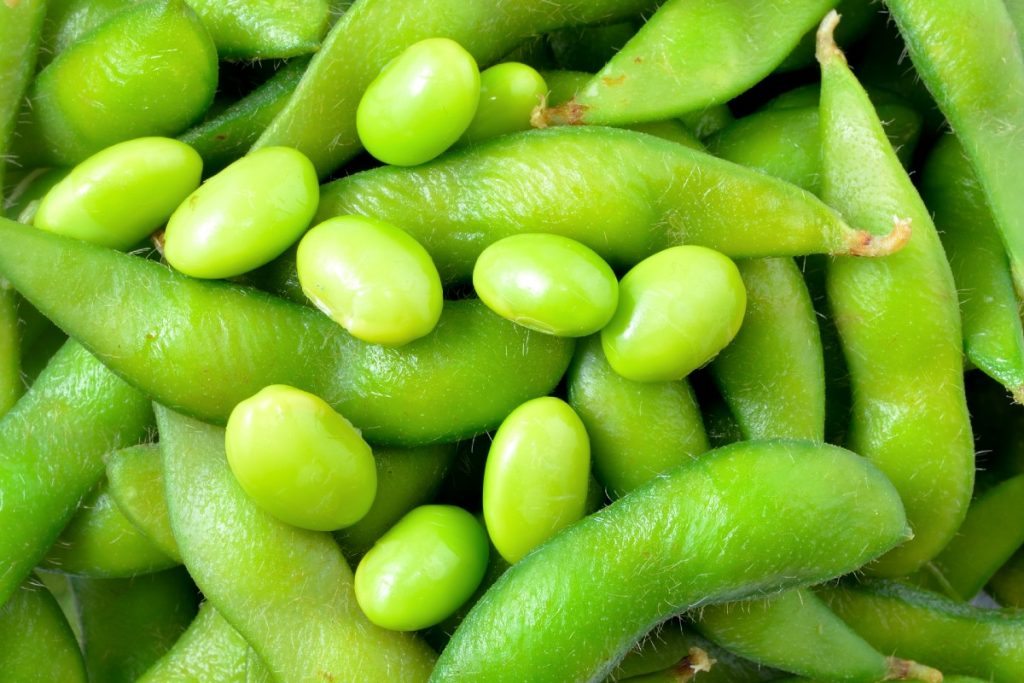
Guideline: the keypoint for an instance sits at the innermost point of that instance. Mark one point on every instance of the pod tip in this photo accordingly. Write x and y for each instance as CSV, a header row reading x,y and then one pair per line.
x,y
825,47
864,243
908,670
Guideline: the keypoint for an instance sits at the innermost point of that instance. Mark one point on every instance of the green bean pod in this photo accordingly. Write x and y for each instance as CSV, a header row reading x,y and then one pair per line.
x,y
135,480
772,375
990,534
128,624
637,430
210,650
795,631
308,630
165,78
228,135
689,56
53,443
969,56
100,542
373,32
624,194
660,540
203,347
20,27
899,324
36,643
925,626
993,334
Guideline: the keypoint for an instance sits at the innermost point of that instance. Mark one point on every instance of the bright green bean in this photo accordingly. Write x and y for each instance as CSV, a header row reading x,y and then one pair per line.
x,y
993,335
87,411
689,56
660,541
36,643
20,26
902,343
508,94
305,630
460,380
637,430
623,194
927,627
128,624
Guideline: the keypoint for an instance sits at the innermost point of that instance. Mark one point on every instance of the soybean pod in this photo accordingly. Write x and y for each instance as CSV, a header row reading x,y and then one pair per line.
x,y
305,630
205,346
20,27
1007,585
135,479
660,540
898,322
36,643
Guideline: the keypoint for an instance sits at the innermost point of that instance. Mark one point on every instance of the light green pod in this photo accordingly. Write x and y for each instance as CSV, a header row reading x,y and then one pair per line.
x,y
509,92
135,480
36,643
547,283
536,476
300,460
677,309
371,278
637,430
422,569
119,196
420,104
244,216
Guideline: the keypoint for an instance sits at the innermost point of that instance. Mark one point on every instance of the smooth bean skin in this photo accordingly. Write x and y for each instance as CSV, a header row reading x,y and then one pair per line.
x,y
373,32
420,104
928,627
508,94
694,55
205,346
305,630
547,283
36,643
406,478
300,460
165,78
244,216
120,195
623,194
45,472
660,540
20,28
536,477
371,278
135,480
677,310
422,569
902,344
992,331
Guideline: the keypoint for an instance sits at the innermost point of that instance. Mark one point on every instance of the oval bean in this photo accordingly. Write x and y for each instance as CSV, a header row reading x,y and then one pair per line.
x,y
508,94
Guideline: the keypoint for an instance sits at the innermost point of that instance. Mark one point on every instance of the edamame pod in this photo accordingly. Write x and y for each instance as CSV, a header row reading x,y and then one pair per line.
x,y
20,27
86,411
970,58
925,626
660,540
623,194
11,385
305,630
261,30
993,335
692,55
899,324
375,31
210,650
205,346
637,430
135,478
128,624
1007,586
36,643
165,78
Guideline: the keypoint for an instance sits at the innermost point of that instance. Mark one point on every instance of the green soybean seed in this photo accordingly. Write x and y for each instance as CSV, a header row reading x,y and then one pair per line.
x,y
371,278
547,283
420,104
300,460
244,216
120,195
536,476
509,92
422,569
677,309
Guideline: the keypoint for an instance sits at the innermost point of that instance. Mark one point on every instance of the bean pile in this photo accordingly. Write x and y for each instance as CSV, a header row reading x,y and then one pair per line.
x,y
534,341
